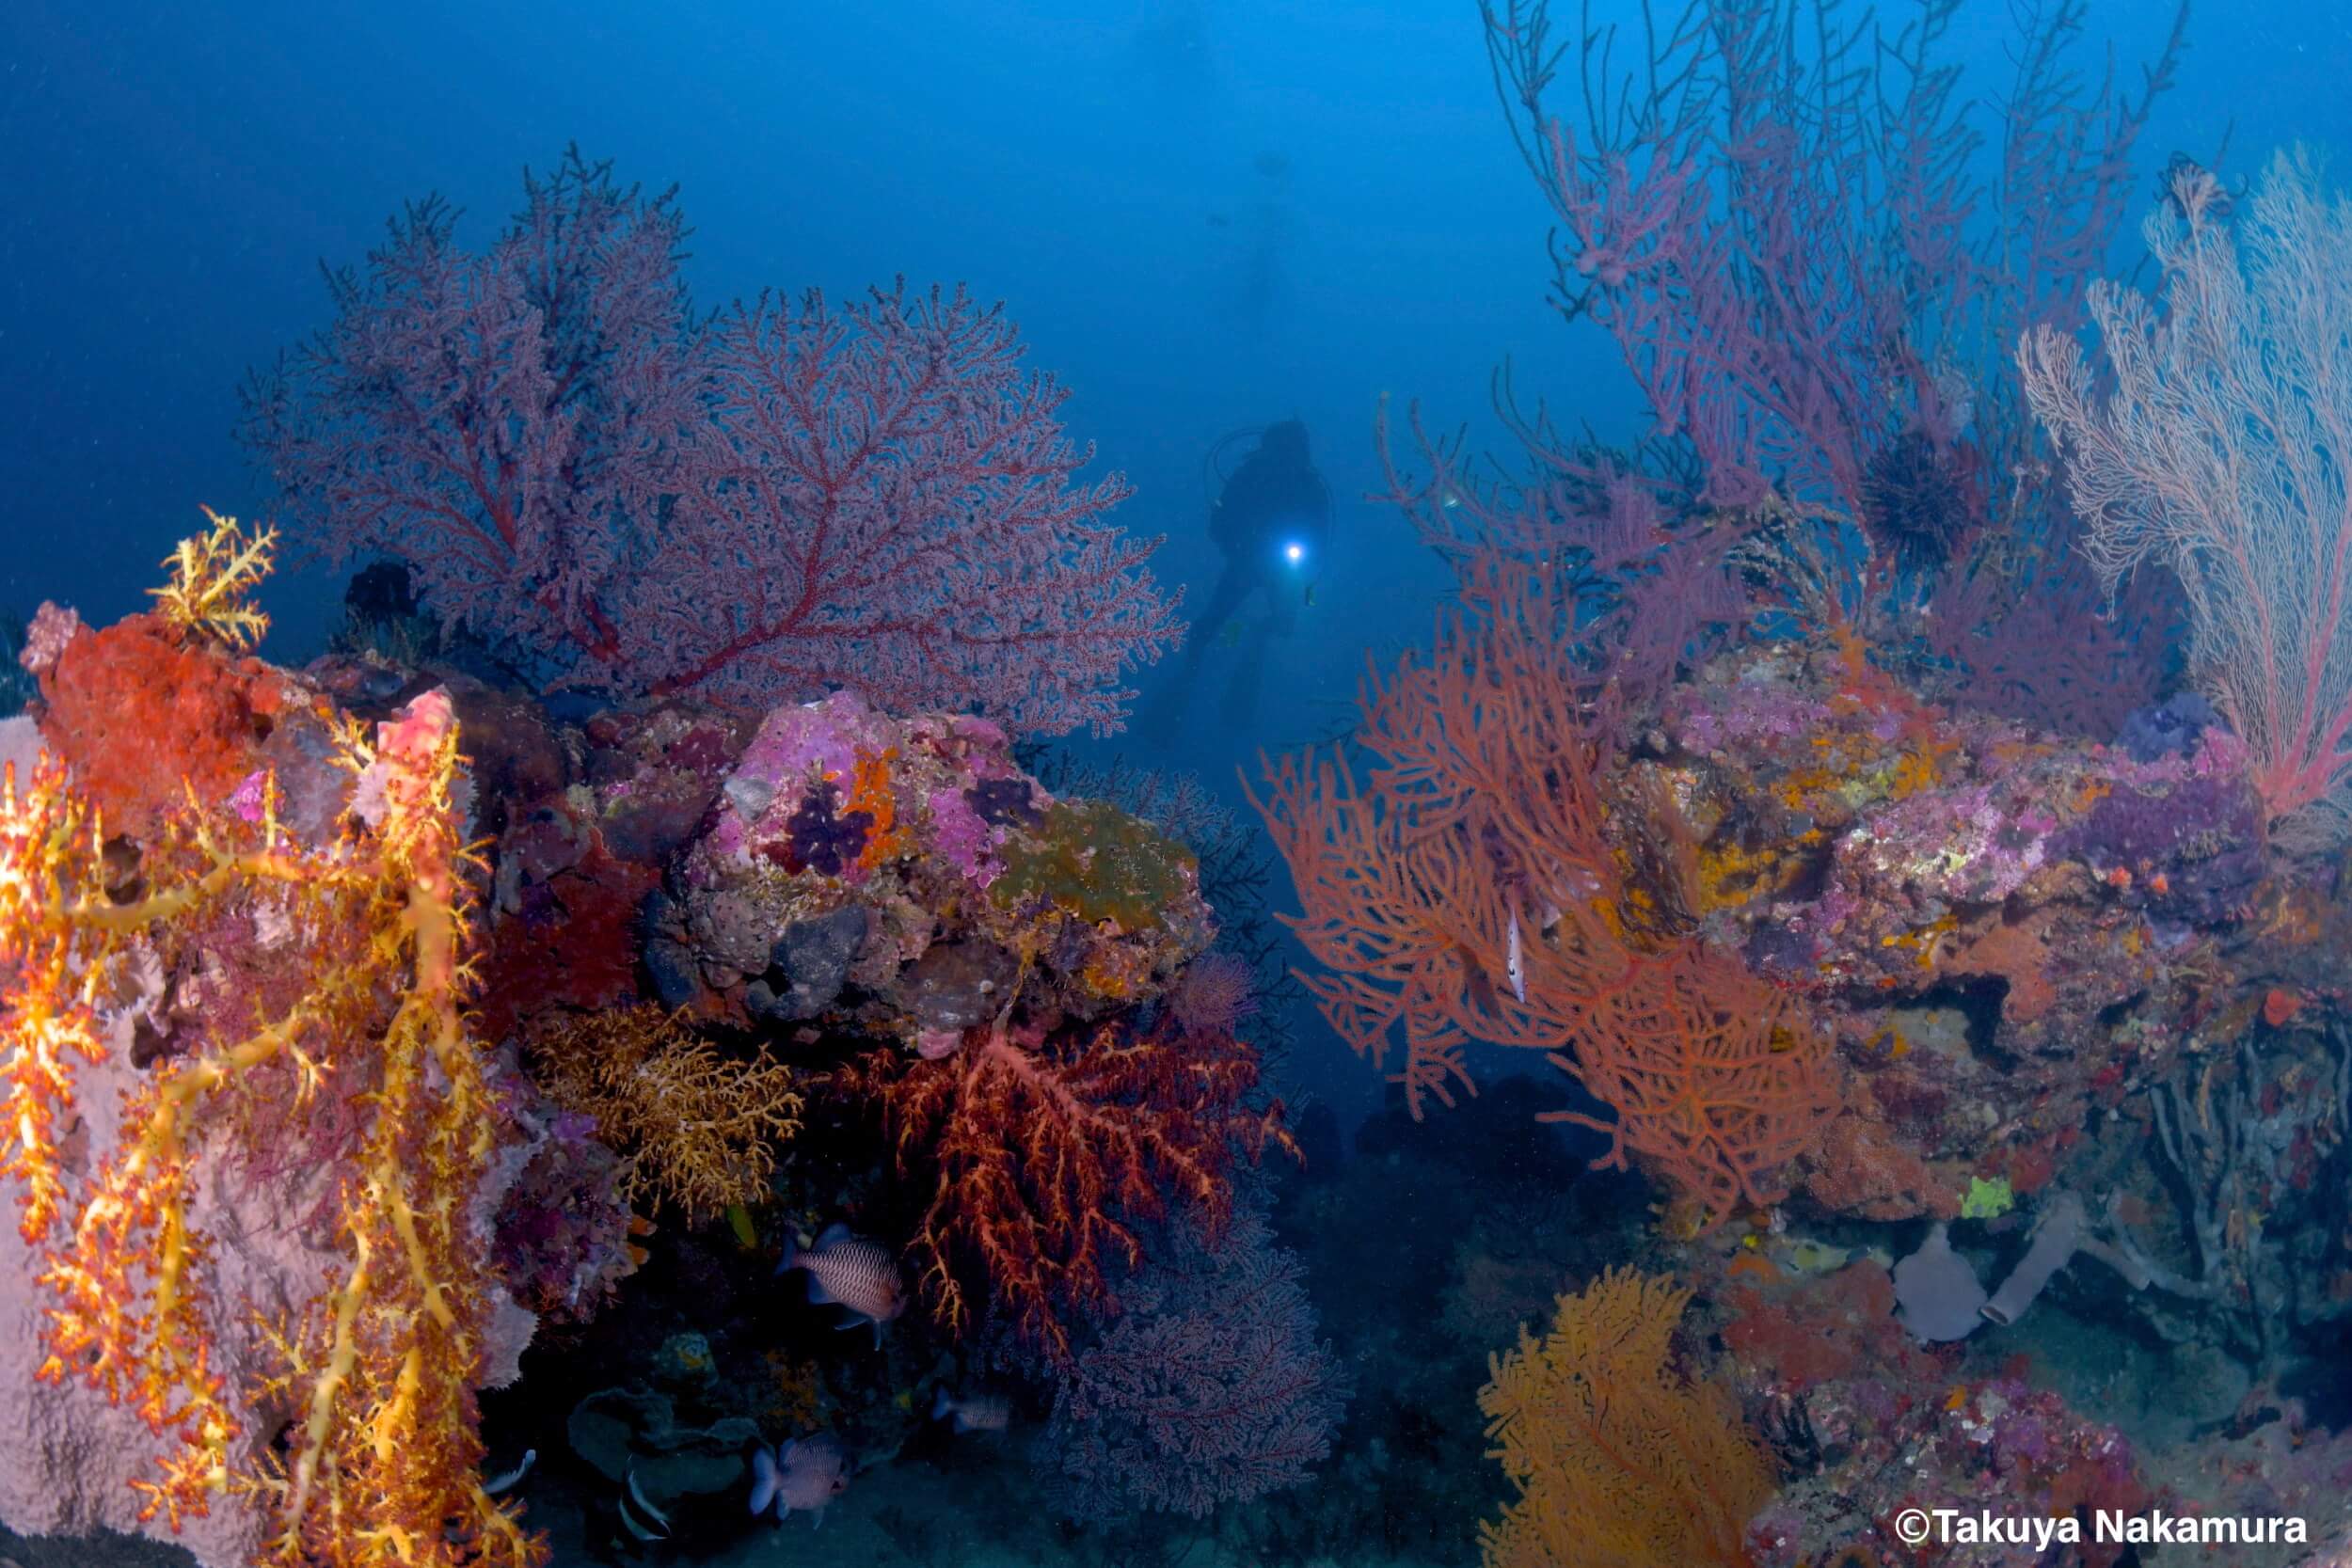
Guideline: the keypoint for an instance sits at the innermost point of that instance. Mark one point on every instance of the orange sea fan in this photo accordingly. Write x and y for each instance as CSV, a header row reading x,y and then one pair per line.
x,y
1467,888
1615,1456
1479,818
1717,1079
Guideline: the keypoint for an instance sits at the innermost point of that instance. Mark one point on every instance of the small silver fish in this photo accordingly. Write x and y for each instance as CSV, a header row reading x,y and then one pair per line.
x,y
1514,960
973,1412
846,1269
807,1473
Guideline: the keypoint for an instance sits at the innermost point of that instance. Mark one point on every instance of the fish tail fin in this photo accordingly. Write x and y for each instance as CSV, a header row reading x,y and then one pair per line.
x,y
941,1404
764,1479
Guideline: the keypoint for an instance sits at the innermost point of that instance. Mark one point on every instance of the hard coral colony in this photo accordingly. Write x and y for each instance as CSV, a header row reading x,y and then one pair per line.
x,y
648,945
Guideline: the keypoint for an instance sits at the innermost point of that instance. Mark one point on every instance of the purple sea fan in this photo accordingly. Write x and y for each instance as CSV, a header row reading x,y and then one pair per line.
x,y
1210,1385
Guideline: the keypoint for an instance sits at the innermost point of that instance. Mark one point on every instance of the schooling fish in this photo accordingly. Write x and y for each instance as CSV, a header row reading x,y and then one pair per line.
x,y
973,1412
807,1473
856,1272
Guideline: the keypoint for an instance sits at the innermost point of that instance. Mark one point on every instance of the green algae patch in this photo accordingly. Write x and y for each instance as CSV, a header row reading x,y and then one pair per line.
x,y
1098,862
1987,1199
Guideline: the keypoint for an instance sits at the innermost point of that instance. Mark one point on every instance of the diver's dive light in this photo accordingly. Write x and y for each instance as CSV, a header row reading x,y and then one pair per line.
x,y
1294,552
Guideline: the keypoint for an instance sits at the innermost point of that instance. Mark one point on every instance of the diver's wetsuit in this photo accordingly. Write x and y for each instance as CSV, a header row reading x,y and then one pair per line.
x,y
1273,521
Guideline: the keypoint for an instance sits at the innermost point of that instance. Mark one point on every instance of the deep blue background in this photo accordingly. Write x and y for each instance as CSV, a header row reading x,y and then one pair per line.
x,y
170,176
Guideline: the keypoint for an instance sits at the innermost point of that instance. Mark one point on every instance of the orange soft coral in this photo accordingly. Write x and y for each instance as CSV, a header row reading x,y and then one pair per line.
x,y
380,1468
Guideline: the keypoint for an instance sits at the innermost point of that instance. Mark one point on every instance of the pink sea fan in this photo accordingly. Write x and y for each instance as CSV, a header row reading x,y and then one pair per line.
x,y
787,498
1209,1386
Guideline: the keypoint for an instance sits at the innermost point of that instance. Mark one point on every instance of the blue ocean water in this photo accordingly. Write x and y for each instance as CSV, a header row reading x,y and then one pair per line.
x,y
1207,218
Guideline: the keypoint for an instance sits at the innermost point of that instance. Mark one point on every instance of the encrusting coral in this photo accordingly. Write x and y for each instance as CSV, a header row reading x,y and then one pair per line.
x,y
910,865
164,703
701,1129
351,956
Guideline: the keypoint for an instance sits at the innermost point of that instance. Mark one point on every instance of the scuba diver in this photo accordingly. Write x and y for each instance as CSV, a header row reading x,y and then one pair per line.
x,y
1272,519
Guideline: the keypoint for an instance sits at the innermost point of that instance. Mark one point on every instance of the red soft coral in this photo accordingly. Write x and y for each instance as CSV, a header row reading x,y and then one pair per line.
x,y
1046,1156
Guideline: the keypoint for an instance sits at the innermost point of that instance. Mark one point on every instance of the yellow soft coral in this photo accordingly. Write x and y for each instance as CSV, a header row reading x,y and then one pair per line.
x,y
700,1128
1617,1459
212,578
384,1469
366,1007
50,856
